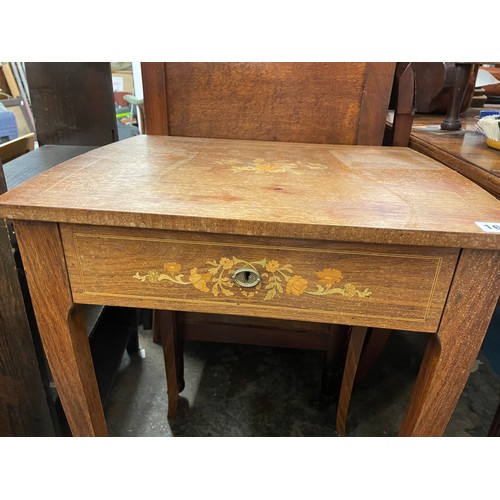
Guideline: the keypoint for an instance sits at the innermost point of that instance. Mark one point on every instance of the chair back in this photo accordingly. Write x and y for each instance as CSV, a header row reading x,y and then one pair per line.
x,y
72,103
326,103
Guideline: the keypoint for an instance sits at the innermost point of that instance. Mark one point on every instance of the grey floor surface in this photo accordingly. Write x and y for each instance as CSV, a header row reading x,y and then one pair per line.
x,y
237,390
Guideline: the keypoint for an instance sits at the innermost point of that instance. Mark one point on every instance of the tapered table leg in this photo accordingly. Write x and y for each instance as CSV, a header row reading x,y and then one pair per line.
x,y
62,327
356,341
167,329
450,354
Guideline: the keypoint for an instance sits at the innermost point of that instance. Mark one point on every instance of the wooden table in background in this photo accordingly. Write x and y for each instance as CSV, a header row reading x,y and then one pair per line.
x,y
463,150
356,235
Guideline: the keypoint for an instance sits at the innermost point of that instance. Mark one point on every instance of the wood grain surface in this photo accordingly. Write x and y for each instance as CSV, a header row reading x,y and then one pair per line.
x,y
351,206
62,327
463,150
346,193
335,103
371,285
450,354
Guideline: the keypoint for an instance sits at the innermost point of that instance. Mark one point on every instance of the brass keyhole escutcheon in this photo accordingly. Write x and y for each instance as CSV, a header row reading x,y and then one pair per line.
x,y
246,277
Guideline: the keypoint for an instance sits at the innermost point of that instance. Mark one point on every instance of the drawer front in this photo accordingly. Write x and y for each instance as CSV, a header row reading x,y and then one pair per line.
x,y
371,285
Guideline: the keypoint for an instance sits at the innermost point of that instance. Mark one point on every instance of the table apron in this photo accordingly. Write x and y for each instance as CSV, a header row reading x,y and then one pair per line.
x,y
387,286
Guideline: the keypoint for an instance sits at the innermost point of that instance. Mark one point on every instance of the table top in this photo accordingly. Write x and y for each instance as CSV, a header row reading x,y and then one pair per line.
x,y
464,150
345,193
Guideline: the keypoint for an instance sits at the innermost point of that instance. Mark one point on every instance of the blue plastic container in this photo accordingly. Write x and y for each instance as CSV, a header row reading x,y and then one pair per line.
x,y
488,112
8,126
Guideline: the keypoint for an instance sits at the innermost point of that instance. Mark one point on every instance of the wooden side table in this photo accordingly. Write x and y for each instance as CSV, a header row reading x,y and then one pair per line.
x,y
356,235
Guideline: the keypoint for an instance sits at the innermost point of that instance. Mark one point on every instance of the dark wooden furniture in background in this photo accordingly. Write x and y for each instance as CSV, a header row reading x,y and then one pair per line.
x,y
24,409
326,103
444,88
465,76
72,103
403,105
462,148
73,116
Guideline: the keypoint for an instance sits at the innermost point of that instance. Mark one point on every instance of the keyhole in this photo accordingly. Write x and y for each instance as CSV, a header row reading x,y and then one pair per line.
x,y
246,277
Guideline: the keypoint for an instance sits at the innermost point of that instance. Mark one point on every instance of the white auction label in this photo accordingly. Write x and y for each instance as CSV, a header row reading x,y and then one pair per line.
x,y
489,227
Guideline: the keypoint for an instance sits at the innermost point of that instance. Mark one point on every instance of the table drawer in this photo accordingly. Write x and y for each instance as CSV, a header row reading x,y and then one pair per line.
x,y
374,285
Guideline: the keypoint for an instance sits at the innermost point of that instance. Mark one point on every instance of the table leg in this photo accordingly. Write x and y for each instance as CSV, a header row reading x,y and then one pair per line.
x,y
456,96
450,354
495,425
372,350
356,341
62,327
167,328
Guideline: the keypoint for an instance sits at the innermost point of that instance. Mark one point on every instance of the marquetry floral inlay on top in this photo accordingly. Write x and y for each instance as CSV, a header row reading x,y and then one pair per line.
x,y
276,278
262,165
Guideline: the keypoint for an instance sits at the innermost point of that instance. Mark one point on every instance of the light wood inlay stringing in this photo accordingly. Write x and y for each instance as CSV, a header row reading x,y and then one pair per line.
x,y
390,286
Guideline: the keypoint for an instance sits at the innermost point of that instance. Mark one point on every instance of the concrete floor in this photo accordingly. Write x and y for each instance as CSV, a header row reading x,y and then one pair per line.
x,y
236,390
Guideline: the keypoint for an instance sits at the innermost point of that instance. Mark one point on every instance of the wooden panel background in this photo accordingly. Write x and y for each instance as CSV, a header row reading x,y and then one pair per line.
x,y
334,103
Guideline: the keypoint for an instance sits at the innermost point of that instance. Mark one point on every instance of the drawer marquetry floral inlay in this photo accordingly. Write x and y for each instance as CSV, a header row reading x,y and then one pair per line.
x,y
276,279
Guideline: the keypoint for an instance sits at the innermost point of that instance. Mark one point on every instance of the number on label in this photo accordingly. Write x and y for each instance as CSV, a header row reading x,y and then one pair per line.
x,y
489,227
